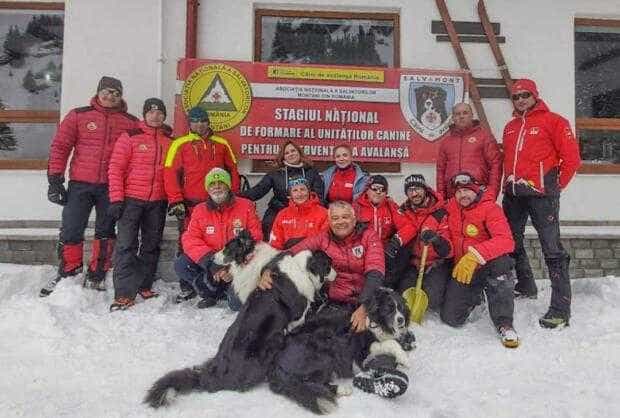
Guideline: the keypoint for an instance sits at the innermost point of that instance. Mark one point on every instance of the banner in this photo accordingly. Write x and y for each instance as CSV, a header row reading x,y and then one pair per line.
x,y
384,114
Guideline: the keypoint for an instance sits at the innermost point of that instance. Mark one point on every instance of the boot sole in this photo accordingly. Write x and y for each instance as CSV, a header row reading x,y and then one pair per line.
x,y
510,343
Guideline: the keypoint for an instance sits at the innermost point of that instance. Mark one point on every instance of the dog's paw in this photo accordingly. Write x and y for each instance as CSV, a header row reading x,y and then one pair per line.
x,y
344,390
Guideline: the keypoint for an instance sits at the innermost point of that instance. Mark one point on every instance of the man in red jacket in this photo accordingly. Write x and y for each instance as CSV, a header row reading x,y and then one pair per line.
x,y
138,202
213,223
468,147
303,217
426,225
88,134
541,156
482,242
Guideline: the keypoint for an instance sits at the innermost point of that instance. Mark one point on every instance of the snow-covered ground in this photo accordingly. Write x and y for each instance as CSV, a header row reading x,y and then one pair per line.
x,y
67,356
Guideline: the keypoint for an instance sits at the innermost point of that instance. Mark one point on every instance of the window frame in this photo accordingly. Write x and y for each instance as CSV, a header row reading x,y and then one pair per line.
x,y
28,116
262,166
597,124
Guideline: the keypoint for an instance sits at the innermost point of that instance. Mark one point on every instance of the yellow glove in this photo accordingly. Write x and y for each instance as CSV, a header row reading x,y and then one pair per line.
x,y
463,271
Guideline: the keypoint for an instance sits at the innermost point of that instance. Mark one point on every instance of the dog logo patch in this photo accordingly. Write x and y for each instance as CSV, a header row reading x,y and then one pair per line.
x,y
358,251
143,147
471,230
210,230
534,130
237,226
425,99
91,126
472,139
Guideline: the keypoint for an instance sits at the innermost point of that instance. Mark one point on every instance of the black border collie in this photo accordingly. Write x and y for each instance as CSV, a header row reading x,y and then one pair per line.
x,y
246,353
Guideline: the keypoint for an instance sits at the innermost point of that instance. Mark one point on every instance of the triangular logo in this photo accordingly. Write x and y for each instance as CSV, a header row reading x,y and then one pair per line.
x,y
216,97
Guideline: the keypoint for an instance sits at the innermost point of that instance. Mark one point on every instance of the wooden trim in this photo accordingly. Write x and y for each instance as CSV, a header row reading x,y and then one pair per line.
x,y
29,116
472,39
23,164
31,5
259,13
598,124
579,21
599,169
462,28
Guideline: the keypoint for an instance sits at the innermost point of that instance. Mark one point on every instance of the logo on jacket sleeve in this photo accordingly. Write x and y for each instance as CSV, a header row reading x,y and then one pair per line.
x,y
358,251
471,230
91,126
210,230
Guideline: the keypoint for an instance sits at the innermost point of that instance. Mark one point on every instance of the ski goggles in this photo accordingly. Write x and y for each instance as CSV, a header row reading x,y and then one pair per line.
x,y
464,180
378,189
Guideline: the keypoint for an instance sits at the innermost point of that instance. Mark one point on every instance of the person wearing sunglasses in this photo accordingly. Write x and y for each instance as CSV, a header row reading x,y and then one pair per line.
x,y
426,224
468,147
482,243
541,156
86,136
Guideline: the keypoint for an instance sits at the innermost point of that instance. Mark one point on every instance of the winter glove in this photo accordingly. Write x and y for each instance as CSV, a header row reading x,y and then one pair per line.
x,y
178,210
440,244
56,192
392,247
463,271
115,210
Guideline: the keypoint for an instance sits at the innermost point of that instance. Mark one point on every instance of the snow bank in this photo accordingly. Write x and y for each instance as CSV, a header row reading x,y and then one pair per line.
x,y
67,356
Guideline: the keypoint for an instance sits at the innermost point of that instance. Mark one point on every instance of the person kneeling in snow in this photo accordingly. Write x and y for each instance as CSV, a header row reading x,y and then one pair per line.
x,y
212,224
482,242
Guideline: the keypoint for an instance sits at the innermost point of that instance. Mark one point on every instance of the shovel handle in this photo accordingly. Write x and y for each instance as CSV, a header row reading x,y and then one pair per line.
x,y
418,284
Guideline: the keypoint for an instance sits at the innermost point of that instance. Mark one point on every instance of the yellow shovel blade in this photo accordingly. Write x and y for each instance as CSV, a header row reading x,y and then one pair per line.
x,y
417,301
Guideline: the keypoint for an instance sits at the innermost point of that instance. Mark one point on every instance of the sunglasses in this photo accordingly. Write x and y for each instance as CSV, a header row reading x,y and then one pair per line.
x,y
522,95
416,189
110,92
378,189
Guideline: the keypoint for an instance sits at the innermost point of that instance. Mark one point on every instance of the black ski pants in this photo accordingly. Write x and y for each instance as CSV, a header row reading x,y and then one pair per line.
x,y
434,283
82,197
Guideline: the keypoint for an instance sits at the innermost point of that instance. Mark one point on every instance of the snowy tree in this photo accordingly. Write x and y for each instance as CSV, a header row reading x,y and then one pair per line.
x,y
14,47
7,138
29,83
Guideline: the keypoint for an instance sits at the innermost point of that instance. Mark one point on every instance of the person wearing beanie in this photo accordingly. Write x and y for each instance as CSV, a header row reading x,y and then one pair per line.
x,y
426,224
213,223
345,180
189,159
470,147
541,156
138,202
303,217
291,163
482,243
84,140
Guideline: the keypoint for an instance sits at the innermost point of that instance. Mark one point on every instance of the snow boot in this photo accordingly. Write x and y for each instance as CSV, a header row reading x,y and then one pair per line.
x,y
509,336
206,302
528,291
91,281
121,304
383,382
185,294
50,286
148,293
554,319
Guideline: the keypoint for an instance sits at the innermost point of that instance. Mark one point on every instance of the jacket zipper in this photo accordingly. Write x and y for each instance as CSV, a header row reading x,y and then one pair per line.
x,y
155,160
105,144
518,147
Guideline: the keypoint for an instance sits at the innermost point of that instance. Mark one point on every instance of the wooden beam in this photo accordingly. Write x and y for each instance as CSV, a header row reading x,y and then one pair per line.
x,y
29,116
598,124
31,5
23,164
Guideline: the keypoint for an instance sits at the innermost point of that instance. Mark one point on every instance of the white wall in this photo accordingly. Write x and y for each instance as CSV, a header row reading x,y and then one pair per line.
x,y
127,39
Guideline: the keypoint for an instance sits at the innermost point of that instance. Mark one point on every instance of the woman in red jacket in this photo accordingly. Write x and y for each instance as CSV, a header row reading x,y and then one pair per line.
x,y
304,216
138,202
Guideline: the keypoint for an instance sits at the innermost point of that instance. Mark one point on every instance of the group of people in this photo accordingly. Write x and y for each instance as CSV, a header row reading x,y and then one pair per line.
x,y
134,174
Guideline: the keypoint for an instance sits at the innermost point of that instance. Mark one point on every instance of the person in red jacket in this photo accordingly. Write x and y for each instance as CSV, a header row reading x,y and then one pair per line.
x,y
345,180
303,217
87,134
482,244
138,202
468,147
213,223
426,225
541,156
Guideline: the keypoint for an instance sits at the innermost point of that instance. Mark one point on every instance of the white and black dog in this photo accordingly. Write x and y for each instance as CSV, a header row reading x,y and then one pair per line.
x,y
246,352
325,348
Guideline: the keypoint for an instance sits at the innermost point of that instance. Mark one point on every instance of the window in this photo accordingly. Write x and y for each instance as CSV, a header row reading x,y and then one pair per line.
x,y
597,93
30,81
328,37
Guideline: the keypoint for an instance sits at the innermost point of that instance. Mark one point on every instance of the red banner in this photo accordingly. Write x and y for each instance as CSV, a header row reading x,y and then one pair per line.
x,y
384,114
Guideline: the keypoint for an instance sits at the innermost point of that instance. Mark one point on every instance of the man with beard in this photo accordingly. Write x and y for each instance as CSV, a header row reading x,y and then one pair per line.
x,y
212,225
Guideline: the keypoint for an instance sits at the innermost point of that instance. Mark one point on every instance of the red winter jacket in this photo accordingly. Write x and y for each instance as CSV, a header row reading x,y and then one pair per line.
x,y
480,228
352,257
211,226
341,186
384,219
137,164
189,160
473,150
418,219
540,150
90,132
298,221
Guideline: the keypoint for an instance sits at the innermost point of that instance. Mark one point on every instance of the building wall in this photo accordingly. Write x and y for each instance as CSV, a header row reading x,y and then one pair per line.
x,y
140,41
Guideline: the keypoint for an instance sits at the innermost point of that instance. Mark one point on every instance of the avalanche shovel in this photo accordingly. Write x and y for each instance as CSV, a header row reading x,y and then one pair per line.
x,y
416,298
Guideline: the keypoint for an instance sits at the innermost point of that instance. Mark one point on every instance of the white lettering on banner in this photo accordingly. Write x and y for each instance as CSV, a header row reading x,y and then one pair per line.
x,y
384,152
321,92
351,116
337,134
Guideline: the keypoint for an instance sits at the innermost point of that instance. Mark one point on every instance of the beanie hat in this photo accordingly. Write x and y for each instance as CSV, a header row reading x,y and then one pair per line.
x,y
153,104
378,179
524,84
464,180
415,180
197,114
110,83
217,174
296,181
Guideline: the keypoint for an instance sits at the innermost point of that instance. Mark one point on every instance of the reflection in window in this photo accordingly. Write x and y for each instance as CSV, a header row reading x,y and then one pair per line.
x,y
599,147
29,141
597,79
